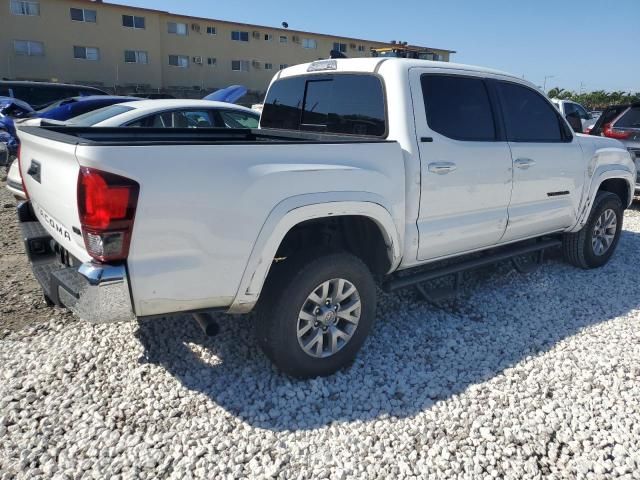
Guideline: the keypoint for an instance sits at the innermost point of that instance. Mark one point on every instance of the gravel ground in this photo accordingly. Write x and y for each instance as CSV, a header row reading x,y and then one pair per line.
x,y
521,377
21,301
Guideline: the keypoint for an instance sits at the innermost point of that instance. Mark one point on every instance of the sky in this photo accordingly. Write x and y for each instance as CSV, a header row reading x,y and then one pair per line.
x,y
577,44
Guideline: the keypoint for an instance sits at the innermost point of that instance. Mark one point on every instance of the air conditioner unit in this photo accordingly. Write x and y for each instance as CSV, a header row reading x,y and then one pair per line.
x,y
295,39
256,34
256,64
195,27
197,60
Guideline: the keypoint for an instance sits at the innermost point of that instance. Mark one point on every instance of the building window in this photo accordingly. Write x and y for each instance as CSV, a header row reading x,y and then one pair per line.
x,y
181,61
131,21
211,31
309,43
240,36
268,37
240,65
284,39
211,61
86,53
361,48
340,47
83,15
28,47
136,56
19,7
177,28
283,66
268,66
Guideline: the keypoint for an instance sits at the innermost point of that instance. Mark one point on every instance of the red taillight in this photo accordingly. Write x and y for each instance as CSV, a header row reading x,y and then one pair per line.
x,y
24,187
609,131
107,206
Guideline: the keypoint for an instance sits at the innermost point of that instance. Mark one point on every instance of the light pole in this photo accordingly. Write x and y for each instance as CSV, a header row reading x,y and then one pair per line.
x,y
544,87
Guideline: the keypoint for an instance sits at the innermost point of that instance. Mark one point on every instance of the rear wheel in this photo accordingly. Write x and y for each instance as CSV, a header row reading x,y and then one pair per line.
x,y
315,315
594,245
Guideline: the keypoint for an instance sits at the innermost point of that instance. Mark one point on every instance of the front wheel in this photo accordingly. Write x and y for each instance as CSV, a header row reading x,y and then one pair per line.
x,y
594,245
315,314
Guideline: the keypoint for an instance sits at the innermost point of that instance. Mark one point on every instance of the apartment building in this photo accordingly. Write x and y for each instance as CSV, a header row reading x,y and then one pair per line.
x,y
130,48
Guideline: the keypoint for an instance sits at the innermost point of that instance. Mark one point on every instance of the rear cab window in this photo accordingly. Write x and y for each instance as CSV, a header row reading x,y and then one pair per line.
x,y
349,104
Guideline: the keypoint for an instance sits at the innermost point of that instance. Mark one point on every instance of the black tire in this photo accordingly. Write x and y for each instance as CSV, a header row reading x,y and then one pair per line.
x,y
578,247
287,291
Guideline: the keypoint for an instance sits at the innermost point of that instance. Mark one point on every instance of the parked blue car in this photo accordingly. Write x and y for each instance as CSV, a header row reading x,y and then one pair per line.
x,y
11,108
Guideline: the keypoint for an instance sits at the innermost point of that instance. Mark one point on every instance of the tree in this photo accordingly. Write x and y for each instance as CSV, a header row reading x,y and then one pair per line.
x,y
598,99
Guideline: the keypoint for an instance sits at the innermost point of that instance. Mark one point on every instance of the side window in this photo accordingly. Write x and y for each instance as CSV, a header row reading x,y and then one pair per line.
x,y
176,119
196,118
582,112
630,119
85,93
38,96
458,107
528,116
238,119
570,109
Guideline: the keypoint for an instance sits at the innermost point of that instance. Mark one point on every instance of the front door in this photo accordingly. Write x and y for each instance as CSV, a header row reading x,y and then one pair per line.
x,y
465,164
549,171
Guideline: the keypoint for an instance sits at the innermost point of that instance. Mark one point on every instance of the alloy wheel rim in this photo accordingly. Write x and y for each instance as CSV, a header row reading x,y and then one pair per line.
x,y
328,318
604,232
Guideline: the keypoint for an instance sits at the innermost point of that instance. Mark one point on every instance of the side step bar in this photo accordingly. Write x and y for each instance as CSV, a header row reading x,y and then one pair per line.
x,y
397,282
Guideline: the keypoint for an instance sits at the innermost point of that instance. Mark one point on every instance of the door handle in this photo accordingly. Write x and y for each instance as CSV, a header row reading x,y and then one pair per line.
x,y
442,168
524,163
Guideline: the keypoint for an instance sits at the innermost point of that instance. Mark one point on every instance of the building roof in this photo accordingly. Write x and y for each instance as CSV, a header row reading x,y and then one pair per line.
x,y
250,25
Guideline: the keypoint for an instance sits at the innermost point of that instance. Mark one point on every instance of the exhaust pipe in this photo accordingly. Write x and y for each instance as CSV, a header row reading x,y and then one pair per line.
x,y
207,324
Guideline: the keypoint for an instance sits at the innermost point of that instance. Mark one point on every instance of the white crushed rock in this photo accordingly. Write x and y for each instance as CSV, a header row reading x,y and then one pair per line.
x,y
532,376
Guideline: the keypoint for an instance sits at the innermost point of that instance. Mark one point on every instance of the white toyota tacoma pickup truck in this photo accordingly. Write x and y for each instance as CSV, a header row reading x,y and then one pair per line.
x,y
363,172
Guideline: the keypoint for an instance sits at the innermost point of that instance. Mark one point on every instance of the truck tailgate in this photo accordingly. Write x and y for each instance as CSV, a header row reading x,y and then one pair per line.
x,y
50,171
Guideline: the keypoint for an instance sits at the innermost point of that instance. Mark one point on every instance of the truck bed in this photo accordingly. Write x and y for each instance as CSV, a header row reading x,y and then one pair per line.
x,y
207,197
121,136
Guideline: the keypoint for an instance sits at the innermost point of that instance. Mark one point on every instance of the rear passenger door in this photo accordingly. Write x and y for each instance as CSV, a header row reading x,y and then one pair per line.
x,y
549,170
465,164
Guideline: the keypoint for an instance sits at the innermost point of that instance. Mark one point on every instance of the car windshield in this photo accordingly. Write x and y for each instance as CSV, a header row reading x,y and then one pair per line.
x,y
96,116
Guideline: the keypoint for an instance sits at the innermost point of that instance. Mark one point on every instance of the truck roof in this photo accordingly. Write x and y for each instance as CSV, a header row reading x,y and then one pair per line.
x,y
372,65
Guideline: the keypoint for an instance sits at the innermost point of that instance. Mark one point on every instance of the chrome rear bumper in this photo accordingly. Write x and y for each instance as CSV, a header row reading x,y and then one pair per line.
x,y
97,293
